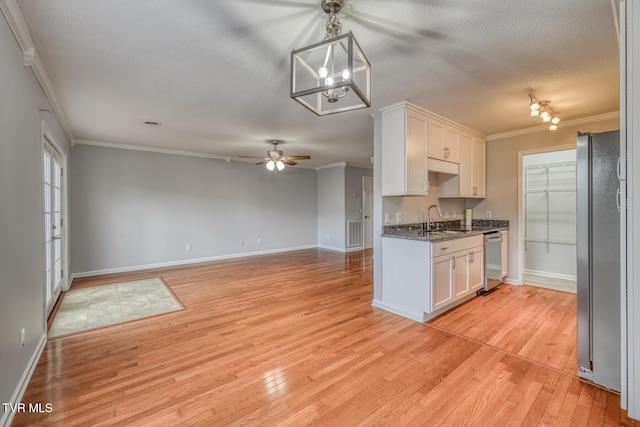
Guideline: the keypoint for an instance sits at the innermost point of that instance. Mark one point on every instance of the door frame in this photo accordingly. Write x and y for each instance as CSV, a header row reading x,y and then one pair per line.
x,y
47,137
364,201
520,242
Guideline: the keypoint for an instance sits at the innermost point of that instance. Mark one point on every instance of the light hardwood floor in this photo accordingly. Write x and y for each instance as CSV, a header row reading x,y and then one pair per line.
x,y
292,339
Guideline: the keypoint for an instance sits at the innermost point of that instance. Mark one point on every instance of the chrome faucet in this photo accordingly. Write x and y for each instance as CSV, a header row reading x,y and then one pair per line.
x,y
429,215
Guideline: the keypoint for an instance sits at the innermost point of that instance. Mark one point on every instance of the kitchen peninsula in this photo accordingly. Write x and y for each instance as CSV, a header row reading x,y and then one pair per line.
x,y
426,273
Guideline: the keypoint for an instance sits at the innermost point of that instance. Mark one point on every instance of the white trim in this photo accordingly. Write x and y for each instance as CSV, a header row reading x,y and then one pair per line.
x,y
332,248
186,261
379,304
511,281
332,165
545,128
550,275
520,231
431,114
152,149
7,416
30,56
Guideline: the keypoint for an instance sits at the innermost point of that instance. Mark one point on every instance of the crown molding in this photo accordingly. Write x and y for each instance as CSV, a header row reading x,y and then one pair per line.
x,y
31,59
545,128
332,165
151,149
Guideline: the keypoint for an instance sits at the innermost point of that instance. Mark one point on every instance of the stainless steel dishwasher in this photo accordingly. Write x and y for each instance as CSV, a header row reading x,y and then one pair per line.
x,y
492,260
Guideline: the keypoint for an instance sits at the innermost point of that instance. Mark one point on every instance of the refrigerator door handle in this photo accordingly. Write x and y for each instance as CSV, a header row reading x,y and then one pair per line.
x,y
618,170
618,199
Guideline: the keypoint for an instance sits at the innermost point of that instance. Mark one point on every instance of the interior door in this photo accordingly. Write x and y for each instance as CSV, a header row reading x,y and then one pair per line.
x,y
367,211
53,203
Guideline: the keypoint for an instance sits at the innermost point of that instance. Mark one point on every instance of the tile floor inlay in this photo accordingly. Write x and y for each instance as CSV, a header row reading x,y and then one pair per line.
x,y
89,308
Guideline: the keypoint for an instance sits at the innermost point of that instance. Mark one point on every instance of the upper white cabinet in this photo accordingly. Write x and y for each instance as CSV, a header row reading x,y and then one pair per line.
x,y
404,151
470,182
416,141
443,141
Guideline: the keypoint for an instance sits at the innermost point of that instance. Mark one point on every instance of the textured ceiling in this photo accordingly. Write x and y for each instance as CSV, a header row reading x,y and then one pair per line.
x,y
216,73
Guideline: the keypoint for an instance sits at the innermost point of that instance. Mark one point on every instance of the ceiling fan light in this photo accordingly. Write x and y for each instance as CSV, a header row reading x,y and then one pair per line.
x,y
546,118
535,113
279,165
271,165
553,126
555,120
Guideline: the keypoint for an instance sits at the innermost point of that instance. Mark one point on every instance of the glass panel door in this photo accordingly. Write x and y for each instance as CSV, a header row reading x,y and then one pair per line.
x,y
53,224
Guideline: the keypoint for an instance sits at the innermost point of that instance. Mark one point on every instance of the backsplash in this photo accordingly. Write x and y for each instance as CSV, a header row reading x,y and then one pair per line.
x,y
450,225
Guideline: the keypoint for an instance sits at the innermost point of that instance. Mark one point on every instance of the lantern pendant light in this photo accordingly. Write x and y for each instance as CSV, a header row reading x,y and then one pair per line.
x,y
333,75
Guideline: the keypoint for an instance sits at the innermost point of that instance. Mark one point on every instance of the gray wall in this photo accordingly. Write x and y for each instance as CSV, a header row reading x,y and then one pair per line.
x,y
21,223
331,208
353,185
134,208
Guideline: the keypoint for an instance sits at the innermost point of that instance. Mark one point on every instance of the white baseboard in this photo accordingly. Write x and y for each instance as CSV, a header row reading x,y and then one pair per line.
x,y
511,281
186,262
418,317
7,416
332,248
550,275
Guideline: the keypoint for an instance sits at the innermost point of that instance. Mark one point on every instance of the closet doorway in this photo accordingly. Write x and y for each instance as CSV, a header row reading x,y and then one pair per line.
x,y
548,215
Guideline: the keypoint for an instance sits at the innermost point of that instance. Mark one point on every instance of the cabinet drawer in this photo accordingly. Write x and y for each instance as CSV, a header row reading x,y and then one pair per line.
x,y
468,242
442,248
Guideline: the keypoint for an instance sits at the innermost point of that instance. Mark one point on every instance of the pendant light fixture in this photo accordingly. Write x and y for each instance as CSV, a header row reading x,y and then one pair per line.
x,y
333,75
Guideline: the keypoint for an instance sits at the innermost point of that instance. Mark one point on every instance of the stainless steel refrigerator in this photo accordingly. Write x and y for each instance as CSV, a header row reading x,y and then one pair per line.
x,y
598,250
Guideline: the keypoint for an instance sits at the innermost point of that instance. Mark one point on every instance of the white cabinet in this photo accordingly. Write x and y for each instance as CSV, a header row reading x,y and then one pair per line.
x,y
476,269
443,141
404,151
441,282
457,273
505,254
422,279
470,181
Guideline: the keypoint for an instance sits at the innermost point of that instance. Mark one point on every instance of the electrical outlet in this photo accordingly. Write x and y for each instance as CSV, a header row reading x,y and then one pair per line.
x,y
23,336
387,220
446,215
488,214
259,240
495,214
398,217
188,247
241,242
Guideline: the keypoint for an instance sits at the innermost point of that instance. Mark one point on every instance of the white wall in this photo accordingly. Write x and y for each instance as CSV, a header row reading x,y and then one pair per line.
x,y
22,303
133,209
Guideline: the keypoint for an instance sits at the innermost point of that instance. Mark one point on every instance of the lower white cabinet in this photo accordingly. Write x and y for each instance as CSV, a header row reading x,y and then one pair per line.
x,y
420,278
457,273
441,281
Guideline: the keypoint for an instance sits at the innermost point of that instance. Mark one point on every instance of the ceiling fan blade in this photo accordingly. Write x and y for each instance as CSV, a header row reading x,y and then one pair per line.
x,y
263,162
296,157
250,157
289,162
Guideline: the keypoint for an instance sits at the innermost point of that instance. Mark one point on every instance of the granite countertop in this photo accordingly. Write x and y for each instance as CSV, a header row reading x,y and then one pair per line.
x,y
415,231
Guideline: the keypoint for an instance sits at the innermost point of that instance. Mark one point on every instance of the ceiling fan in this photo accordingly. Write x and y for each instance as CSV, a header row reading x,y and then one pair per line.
x,y
276,160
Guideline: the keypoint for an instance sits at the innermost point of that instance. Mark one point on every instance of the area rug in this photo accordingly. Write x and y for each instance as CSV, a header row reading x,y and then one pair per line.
x,y
106,305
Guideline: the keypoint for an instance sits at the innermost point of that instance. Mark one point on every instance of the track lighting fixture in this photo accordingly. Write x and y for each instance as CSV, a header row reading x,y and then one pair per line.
x,y
541,109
